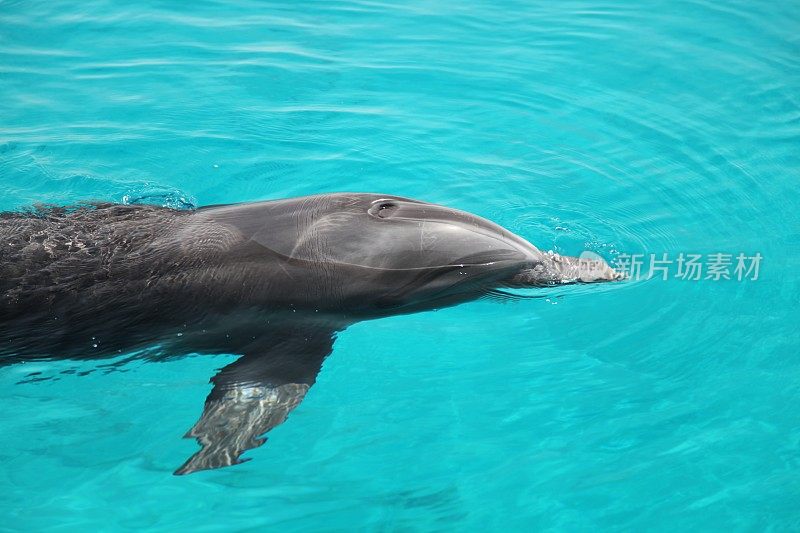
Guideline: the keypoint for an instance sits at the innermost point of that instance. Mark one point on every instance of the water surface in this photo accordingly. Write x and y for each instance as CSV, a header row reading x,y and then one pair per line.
x,y
621,128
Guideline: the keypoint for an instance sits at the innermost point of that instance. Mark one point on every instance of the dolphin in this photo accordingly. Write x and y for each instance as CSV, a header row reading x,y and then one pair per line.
x,y
273,282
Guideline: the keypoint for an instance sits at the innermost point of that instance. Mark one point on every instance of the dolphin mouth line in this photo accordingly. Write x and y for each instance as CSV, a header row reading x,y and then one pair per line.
x,y
482,283
456,264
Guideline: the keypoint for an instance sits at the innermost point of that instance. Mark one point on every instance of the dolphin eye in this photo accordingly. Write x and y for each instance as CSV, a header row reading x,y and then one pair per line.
x,y
383,209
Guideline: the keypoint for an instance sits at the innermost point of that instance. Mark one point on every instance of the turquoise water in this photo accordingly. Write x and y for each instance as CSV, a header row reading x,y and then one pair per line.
x,y
621,128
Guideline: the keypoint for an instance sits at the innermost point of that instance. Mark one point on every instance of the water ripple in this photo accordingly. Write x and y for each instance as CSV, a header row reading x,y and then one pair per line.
x,y
609,126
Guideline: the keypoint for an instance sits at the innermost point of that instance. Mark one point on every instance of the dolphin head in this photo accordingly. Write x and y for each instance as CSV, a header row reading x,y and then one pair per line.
x,y
382,252
448,255
423,255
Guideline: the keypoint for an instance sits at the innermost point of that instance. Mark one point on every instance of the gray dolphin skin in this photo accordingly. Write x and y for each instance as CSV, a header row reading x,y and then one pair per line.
x,y
273,282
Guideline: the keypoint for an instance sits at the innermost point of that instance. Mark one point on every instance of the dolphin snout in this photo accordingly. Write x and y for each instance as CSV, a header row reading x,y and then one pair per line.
x,y
553,269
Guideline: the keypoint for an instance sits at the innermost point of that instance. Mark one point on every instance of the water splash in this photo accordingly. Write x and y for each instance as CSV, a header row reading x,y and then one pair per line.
x,y
164,197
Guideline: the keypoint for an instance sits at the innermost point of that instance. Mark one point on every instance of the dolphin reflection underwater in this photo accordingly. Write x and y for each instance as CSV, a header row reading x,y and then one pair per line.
x,y
273,282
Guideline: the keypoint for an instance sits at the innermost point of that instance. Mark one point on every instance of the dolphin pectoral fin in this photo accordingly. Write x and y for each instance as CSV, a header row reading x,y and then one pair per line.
x,y
234,423
254,394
